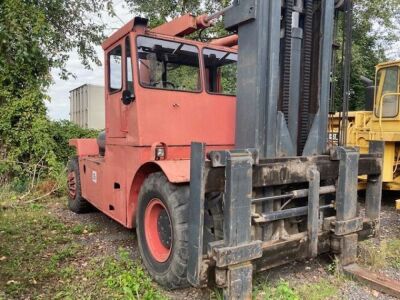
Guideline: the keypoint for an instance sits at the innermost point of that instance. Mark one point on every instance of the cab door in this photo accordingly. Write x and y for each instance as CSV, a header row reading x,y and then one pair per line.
x,y
120,103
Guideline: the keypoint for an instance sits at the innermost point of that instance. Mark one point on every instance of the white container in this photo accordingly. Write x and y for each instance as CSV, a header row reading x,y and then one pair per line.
x,y
87,106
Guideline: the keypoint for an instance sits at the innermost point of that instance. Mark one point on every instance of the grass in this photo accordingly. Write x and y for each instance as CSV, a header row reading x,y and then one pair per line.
x,y
108,277
83,229
393,250
34,244
323,289
283,290
380,255
43,257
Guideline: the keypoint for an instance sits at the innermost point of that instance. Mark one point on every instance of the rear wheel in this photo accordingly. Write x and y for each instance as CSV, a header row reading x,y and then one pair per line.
x,y
76,202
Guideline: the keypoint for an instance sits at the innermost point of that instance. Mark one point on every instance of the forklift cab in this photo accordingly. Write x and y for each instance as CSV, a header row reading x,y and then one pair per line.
x,y
169,90
387,92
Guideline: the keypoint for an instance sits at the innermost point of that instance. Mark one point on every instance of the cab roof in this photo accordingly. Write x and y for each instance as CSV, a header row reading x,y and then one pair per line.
x,y
388,64
130,27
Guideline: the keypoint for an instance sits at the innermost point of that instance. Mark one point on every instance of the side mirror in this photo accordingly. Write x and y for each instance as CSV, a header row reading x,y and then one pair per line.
x,y
127,97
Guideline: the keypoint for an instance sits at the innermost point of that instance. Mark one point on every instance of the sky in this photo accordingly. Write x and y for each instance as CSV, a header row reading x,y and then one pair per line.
x,y
58,107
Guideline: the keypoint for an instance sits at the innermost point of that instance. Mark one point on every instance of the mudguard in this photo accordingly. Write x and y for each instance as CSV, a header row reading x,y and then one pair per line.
x,y
177,171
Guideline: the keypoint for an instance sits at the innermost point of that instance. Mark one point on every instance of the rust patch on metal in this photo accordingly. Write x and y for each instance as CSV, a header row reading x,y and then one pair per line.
x,y
376,281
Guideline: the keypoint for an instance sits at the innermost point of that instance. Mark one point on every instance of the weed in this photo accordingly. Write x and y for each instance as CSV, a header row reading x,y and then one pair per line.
x,y
335,269
318,291
128,276
36,207
81,229
393,253
78,229
67,272
378,256
282,291
217,294
63,255
42,257
33,246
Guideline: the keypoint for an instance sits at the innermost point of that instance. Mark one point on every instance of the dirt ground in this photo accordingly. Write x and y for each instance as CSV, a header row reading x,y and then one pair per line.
x,y
111,236
311,279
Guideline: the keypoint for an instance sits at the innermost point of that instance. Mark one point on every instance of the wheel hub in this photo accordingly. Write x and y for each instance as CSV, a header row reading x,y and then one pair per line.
x,y
158,230
164,228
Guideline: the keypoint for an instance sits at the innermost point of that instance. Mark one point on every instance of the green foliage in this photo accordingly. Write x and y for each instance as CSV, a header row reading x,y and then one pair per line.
x,y
282,291
43,256
62,132
33,246
379,256
35,146
127,276
167,9
393,248
374,30
323,289
36,36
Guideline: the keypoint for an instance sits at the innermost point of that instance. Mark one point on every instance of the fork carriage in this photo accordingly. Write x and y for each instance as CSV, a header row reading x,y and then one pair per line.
x,y
322,192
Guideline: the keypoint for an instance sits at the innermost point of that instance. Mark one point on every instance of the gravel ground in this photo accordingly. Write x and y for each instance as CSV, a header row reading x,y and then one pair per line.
x,y
110,236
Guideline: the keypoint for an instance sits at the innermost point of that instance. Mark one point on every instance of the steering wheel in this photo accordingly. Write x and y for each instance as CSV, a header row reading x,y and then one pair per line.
x,y
164,83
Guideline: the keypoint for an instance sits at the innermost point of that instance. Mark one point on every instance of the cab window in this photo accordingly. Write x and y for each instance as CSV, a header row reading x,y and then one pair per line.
x,y
115,69
168,65
221,69
387,85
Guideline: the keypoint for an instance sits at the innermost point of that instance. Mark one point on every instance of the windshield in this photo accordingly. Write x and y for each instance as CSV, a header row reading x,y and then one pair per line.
x,y
221,68
387,86
168,65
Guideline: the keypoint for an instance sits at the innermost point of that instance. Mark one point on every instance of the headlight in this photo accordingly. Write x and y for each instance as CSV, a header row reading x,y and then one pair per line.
x,y
160,153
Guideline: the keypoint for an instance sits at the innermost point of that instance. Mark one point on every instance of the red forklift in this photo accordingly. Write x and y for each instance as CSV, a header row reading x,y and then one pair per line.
x,y
217,152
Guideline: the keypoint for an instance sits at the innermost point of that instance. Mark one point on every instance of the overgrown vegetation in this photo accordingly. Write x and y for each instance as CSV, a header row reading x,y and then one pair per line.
x,y
323,289
49,155
37,36
283,290
45,257
380,255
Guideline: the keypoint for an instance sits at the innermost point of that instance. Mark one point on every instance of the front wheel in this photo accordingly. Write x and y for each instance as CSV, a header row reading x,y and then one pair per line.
x,y
162,230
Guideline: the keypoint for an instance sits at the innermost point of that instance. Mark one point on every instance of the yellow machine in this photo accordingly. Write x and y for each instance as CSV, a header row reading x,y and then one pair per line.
x,y
381,123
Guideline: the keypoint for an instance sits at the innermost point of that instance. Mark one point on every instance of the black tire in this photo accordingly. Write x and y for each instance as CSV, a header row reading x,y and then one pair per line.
x,y
76,203
170,273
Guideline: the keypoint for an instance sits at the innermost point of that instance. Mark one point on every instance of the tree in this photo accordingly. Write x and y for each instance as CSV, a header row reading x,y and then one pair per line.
x,y
169,9
35,37
374,31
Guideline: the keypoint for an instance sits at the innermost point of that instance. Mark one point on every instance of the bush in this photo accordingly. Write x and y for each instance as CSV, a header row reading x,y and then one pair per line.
x,y
31,145
62,132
